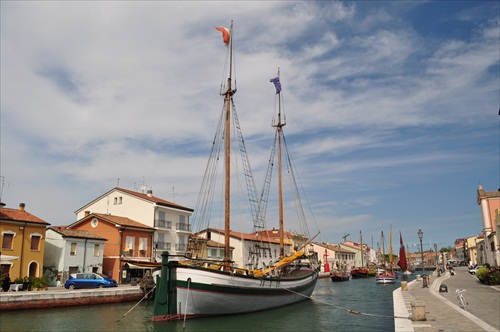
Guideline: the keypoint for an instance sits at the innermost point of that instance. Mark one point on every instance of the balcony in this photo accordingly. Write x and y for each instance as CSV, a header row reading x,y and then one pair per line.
x,y
163,246
181,247
184,227
162,223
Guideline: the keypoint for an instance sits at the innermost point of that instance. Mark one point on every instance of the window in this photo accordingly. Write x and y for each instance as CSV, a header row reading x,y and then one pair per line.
x,y
96,250
35,241
120,200
143,246
115,201
72,251
7,240
129,244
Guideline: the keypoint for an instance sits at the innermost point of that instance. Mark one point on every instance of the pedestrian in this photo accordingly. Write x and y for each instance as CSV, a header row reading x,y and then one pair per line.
x,y
6,283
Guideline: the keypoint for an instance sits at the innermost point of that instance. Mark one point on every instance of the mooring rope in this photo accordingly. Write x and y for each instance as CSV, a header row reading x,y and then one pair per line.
x,y
185,307
145,296
348,310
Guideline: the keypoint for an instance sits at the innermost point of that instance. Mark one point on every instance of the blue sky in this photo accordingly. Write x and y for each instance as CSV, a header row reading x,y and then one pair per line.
x,y
392,107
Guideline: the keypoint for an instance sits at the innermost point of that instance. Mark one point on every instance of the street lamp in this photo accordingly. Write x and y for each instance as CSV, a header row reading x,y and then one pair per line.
x,y
437,266
420,236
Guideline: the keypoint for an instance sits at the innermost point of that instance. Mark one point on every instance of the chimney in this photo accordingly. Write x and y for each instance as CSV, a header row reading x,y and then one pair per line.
x,y
150,193
87,213
21,207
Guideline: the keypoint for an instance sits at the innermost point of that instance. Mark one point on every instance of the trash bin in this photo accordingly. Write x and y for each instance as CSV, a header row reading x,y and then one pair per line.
x,y
404,286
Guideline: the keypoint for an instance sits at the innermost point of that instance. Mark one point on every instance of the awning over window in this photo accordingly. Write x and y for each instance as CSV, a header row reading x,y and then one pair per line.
x,y
8,258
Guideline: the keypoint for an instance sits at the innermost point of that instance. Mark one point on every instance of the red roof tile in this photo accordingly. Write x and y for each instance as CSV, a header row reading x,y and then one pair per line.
x,y
155,199
20,216
76,233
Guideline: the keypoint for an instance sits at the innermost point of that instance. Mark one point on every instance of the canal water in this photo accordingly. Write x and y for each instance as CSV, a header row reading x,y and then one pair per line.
x,y
327,311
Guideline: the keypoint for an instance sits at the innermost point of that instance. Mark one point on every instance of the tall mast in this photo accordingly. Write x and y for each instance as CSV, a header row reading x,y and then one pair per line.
x,y
361,247
227,169
279,127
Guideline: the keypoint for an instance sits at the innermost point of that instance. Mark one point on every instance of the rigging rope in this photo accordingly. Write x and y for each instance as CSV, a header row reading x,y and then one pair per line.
x,y
348,310
145,296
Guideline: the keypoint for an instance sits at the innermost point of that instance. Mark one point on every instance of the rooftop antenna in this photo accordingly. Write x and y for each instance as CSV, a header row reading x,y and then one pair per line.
x,y
143,187
173,194
345,237
2,184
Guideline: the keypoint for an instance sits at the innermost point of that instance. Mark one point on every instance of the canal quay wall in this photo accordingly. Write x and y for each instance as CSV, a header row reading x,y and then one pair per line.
x,y
61,297
442,312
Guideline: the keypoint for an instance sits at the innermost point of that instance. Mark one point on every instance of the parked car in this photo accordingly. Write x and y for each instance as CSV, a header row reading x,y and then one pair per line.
x,y
89,280
473,271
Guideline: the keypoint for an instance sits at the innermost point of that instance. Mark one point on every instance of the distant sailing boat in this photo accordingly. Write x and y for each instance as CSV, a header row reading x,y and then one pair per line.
x,y
200,287
362,271
384,276
403,263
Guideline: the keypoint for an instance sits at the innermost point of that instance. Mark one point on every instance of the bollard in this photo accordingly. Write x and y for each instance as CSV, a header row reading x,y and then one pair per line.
x,y
418,310
404,286
418,277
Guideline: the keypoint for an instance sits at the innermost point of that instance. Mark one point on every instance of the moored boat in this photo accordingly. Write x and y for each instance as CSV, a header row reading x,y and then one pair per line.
x,y
341,276
190,288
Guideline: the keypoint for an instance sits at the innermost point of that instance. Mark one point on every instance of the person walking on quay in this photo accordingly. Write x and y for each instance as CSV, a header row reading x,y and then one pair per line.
x,y
6,283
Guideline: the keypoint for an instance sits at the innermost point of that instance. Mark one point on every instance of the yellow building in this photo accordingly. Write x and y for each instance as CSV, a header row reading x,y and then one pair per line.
x,y
22,243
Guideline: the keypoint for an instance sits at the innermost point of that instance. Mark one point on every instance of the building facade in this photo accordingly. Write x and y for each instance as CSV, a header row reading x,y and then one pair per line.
x,y
489,205
127,251
69,251
171,221
22,242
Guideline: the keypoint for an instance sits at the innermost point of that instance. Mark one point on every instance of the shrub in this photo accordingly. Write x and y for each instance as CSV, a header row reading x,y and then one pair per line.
x,y
489,275
18,280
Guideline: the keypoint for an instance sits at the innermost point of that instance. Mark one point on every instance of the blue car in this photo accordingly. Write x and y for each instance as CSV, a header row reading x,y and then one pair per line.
x,y
89,280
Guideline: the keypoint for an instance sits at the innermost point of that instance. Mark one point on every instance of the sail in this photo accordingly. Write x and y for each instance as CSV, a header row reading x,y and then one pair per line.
x,y
402,255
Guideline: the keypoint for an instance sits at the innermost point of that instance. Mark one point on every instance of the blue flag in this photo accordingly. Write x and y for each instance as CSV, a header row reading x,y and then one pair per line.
x,y
277,84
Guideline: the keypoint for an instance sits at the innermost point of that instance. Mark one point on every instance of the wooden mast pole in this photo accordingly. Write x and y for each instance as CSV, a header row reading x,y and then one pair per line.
x,y
227,168
279,127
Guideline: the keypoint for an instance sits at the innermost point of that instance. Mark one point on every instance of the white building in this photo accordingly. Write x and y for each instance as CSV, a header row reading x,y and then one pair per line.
x,y
337,257
170,220
70,251
242,246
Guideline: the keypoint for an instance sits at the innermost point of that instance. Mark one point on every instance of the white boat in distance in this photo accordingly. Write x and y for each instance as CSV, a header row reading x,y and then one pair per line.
x,y
198,287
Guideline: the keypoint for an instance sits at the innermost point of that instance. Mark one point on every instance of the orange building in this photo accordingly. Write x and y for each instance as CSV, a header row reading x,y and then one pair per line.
x,y
22,242
129,244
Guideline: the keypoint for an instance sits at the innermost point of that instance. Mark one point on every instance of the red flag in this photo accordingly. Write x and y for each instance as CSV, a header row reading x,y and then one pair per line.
x,y
226,36
402,255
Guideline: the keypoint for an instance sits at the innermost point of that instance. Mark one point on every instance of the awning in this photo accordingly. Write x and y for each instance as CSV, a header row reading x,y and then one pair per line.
x,y
8,258
141,265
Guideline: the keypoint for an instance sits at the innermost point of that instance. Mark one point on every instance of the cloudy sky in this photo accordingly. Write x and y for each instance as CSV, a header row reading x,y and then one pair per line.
x,y
392,107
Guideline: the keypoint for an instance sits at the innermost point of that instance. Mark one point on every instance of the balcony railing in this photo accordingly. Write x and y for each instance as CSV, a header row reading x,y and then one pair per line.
x,y
162,223
183,227
163,246
181,247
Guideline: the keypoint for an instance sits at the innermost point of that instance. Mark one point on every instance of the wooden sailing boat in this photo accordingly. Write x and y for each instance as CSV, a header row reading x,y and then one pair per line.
x,y
384,276
362,271
202,287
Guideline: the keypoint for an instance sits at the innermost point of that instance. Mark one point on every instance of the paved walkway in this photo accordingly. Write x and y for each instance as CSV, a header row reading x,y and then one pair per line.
x,y
442,310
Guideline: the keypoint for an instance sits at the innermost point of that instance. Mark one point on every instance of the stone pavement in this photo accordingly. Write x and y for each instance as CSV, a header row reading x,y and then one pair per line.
x,y
442,310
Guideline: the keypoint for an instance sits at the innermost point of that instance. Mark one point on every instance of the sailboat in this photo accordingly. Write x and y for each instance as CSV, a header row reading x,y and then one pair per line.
x,y
200,287
384,276
362,271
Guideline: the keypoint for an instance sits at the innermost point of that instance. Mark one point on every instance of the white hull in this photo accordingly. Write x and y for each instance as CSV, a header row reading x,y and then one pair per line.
x,y
216,293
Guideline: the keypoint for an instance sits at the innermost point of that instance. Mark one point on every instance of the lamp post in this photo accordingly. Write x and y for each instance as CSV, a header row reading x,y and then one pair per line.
x,y
437,265
420,236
